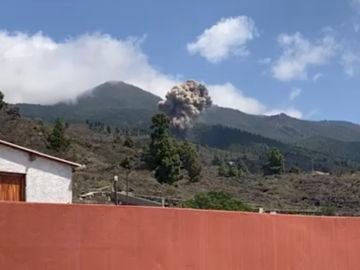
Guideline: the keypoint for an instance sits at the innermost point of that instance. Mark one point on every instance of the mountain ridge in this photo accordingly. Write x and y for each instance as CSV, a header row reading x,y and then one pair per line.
x,y
123,105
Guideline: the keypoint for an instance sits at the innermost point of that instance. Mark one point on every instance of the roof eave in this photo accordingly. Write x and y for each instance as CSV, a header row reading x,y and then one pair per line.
x,y
43,155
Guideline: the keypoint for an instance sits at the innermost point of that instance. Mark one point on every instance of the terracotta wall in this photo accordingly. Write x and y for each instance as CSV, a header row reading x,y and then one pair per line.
x,y
48,237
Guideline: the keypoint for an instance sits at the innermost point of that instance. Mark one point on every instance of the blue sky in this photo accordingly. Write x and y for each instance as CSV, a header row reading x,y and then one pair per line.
x,y
263,57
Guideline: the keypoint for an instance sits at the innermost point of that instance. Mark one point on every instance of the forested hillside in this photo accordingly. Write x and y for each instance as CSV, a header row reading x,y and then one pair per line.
x,y
103,148
111,123
123,105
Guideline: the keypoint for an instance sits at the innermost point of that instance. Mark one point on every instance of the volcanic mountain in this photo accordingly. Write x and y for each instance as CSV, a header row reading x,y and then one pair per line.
x,y
123,105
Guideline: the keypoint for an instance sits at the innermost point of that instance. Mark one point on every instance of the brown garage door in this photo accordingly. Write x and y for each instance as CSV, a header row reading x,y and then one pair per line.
x,y
12,187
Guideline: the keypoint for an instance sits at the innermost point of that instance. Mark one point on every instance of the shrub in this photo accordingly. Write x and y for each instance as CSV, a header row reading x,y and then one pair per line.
x,y
216,200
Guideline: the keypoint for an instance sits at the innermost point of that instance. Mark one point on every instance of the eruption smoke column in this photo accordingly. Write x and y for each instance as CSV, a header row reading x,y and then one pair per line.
x,y
184,103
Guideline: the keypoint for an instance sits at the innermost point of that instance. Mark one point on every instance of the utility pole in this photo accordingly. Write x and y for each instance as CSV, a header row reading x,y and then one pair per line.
x,y
116,179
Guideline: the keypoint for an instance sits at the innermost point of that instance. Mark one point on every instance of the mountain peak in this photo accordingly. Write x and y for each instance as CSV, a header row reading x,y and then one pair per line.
x,y
114,103
113,84
280,116
120,93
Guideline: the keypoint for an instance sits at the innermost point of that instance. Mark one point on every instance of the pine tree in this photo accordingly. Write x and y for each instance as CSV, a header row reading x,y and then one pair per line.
x,y
168,169
222,170
159,133
57,140
163,154
242,168
190,161
232,171
275,163
216,161
128,165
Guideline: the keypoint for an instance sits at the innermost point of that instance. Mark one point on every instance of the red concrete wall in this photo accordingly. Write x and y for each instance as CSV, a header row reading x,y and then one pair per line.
x,y
61,237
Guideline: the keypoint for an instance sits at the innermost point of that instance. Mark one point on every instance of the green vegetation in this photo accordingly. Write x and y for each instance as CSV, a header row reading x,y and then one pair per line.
x,y
2,103
222,170
128,165
333,145
115,104
295,170
327,211
128,142
163,154
275,162
122,105
216,200
167,156
216,161
190,161
223,137
231,169
223,141
102,154
319,153
56,139
281,127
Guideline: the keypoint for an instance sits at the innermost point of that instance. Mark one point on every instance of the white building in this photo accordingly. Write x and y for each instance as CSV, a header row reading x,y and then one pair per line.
x,y
31,176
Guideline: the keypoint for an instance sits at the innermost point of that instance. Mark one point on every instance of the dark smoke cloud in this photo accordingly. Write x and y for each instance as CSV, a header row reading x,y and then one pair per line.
x,y
184,103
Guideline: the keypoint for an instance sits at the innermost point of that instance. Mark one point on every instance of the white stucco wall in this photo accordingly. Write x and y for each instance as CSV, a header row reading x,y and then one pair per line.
x,y
46,180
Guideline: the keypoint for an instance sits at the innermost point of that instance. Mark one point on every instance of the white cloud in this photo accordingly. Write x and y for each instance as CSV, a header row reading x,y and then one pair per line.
x,y
299,54
227,95
226,37
350,61
311,114
35,68
264,61
295,92
317,77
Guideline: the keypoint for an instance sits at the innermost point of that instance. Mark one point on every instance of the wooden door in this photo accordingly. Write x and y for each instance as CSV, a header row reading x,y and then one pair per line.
x,y
12,187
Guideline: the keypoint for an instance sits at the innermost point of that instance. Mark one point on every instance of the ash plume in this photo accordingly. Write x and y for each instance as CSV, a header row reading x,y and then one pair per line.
x,y
184,103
